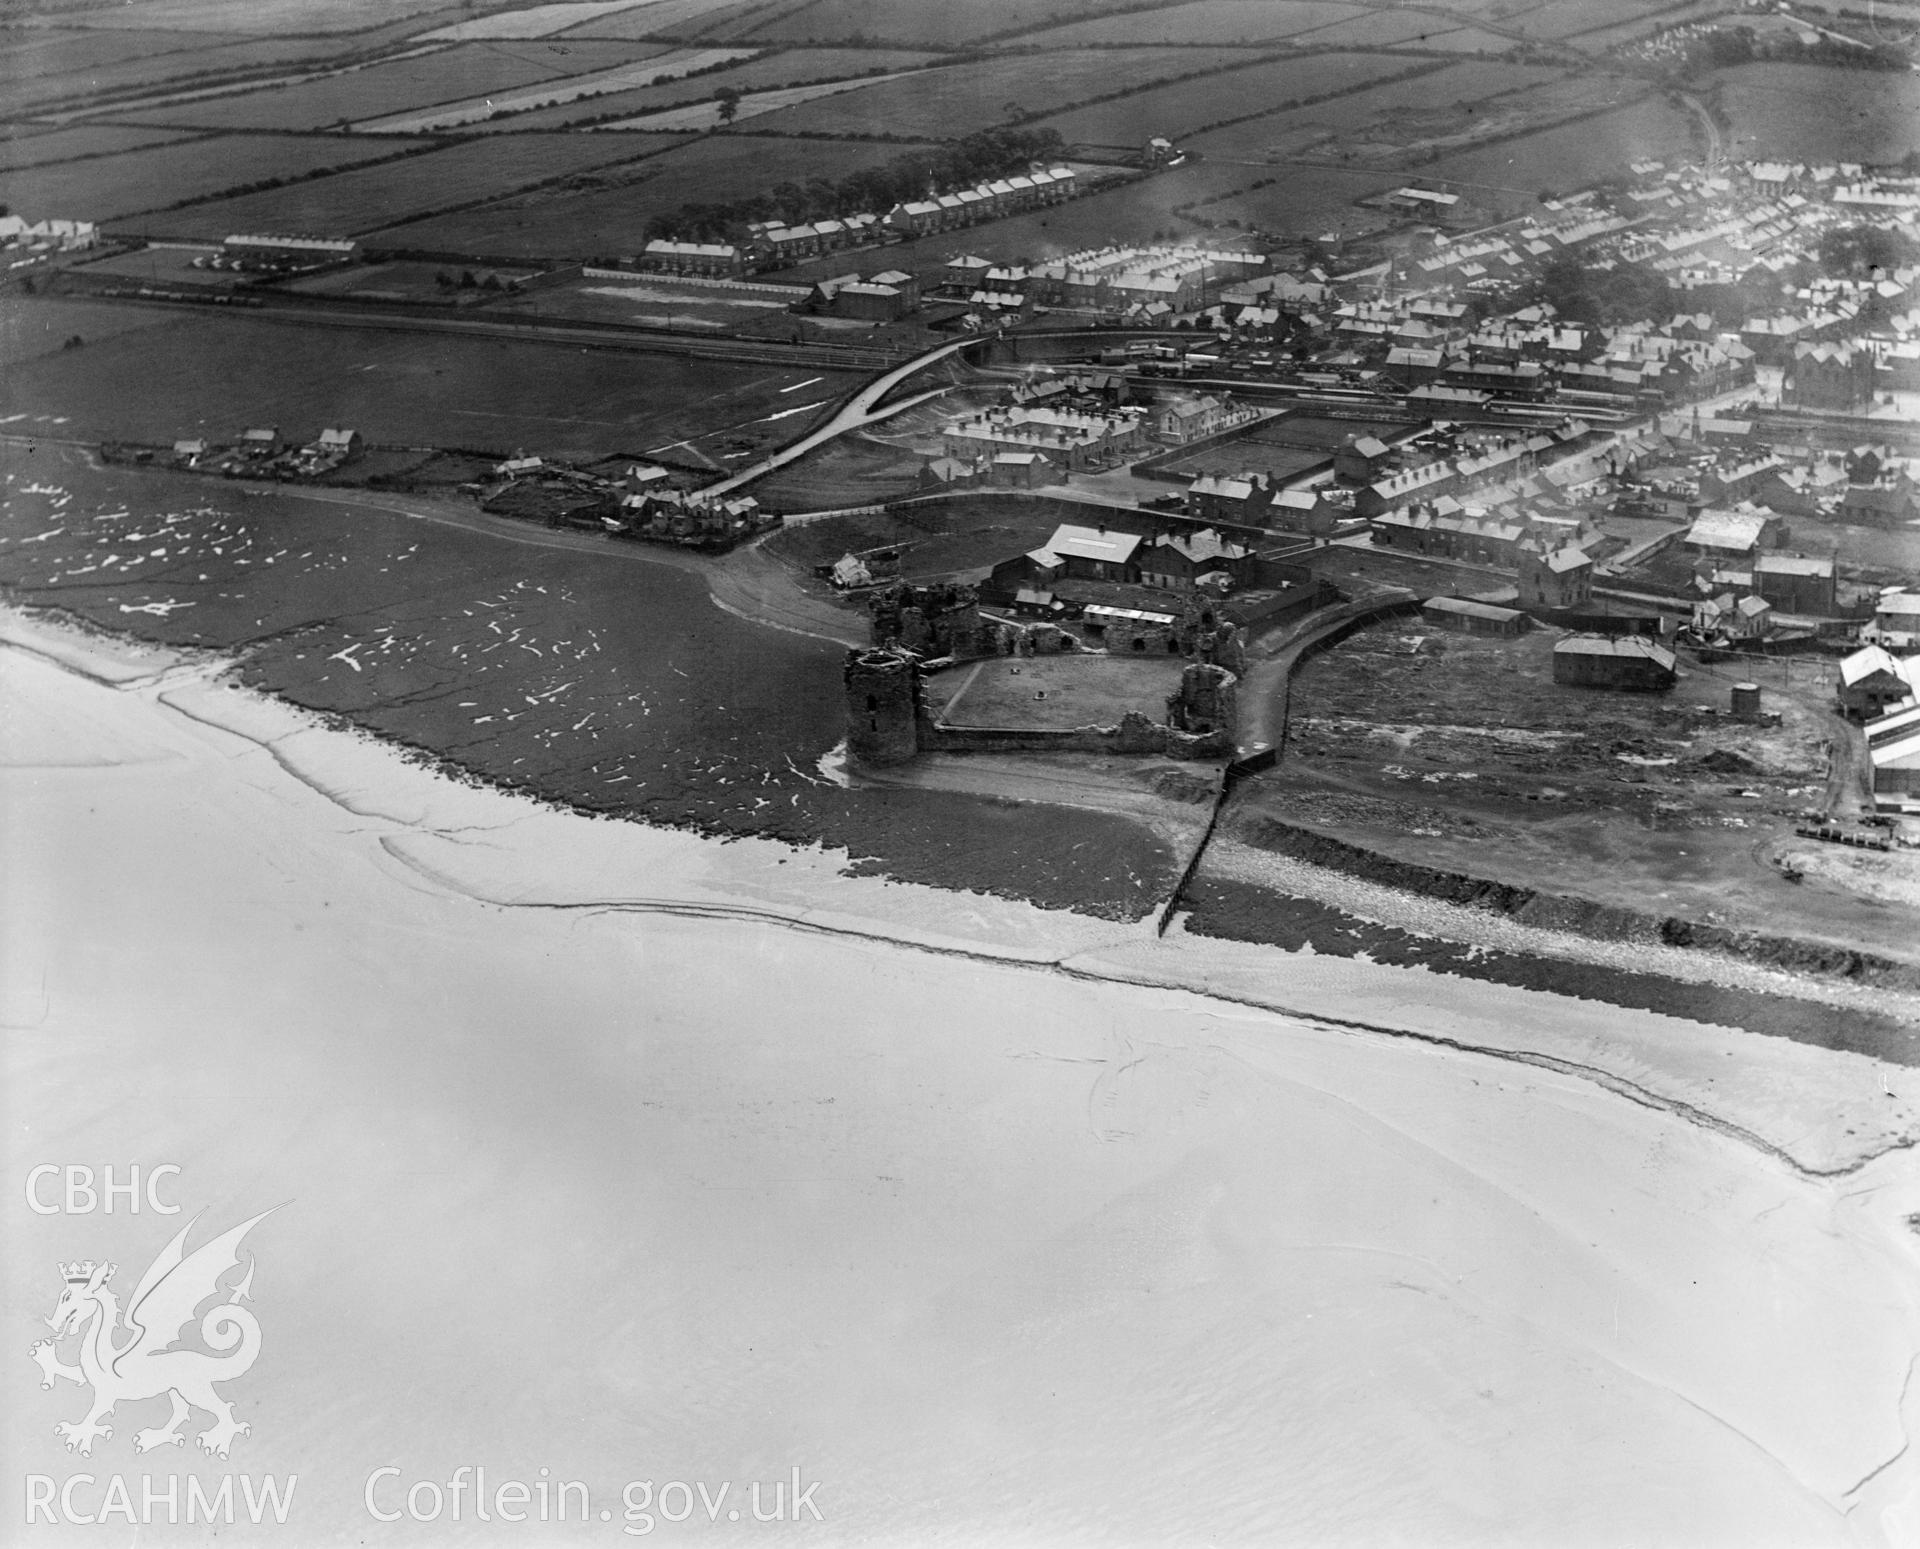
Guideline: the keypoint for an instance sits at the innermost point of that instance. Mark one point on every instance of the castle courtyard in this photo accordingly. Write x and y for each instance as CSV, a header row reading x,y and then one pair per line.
x,y
1054,693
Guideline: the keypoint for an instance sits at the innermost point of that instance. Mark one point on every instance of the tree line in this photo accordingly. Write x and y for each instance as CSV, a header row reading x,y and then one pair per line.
x,y
983,155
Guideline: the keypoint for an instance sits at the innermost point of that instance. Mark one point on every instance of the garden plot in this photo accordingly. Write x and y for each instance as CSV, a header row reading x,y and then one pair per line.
x,y
662,67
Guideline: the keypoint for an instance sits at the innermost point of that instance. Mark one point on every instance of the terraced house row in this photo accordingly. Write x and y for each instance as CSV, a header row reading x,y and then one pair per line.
x,y
771,245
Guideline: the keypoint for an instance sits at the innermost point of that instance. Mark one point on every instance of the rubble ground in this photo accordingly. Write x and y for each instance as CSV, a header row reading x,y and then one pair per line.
x,y
1460,752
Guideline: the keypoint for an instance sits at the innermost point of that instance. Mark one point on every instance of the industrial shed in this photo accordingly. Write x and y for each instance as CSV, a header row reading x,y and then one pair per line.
x,y
1614,661
1896,765
1473,618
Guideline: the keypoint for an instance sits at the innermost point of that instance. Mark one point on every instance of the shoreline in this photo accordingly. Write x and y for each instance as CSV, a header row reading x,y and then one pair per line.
x,y
944,826
474,1042
584,864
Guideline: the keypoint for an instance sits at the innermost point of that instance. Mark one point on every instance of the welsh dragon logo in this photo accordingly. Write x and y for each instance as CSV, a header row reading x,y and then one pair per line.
x,y
135,1361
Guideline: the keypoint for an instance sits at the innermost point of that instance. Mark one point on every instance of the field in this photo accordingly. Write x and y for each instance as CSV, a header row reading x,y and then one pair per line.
x,y
165,266
39,56
72,144
1416,136
1272,458
1574,155
114,187
1819,114
388,89
706,21
554,221
1288,132
407,281
1180,110
1324,435
210,375
1625,32
160,65
848,471
708,115
664,302
930,23
262,16
1078,690
1413,29
553,93
39,328
351,203
1570,18
1200,21
992,91
537,21
967,532
441,75
788,67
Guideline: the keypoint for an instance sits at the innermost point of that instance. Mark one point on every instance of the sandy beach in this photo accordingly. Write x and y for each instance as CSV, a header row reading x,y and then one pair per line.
x,y
641,1157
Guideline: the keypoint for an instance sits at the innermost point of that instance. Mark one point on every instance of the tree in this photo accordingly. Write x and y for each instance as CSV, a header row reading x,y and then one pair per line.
x,y
729,99
1852,251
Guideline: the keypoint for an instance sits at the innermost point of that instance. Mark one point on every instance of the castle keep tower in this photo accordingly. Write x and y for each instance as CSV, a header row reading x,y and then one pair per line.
x,y
883,705
1206,701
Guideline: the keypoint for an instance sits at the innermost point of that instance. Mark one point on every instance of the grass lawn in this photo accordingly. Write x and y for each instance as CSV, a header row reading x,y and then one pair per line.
x,y
212,375
1058,693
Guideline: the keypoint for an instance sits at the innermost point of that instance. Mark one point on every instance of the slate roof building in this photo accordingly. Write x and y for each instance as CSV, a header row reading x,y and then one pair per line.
x,y
1614,661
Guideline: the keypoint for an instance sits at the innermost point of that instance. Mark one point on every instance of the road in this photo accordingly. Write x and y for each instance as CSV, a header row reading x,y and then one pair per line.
x,y
1266,684
856,413
1699,111
1849,789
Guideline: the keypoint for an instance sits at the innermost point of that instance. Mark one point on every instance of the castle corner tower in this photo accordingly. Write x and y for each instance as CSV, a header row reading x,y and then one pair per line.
x,y
883,705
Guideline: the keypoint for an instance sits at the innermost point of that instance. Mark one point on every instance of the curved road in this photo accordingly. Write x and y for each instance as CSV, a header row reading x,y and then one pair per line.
x,y
857,413
1699,111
